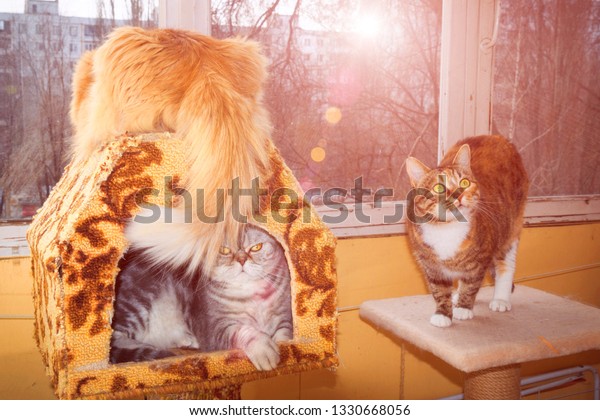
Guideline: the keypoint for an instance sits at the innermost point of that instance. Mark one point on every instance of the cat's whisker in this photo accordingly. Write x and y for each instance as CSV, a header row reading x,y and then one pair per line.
x,y
488,211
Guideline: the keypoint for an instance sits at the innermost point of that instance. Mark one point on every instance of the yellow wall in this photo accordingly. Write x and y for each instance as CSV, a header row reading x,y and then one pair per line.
x,y
371,364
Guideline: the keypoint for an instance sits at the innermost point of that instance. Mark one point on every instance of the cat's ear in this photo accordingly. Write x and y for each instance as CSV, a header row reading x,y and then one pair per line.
x,y
463,157
416,170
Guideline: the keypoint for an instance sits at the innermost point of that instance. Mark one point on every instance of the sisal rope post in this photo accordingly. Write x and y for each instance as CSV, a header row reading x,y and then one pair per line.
x,y
498,383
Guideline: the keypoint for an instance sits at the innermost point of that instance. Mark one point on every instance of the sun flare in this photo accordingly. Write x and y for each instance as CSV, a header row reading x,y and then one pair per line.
x,y
367,25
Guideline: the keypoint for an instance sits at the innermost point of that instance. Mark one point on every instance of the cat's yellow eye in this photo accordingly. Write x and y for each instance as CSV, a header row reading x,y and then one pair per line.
x,y
464,183
224,250
256,247
439,188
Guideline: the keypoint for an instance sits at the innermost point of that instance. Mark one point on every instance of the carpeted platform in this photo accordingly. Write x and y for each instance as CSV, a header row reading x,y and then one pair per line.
x,y
540,326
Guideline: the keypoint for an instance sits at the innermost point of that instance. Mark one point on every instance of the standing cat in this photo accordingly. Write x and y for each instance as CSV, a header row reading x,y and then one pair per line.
x,y
207,91
245,304
468,215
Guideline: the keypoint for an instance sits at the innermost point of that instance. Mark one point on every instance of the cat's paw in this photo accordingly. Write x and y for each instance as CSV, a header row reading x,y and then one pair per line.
x,y
499,305
282,334
462,313
187,340
440,320
263,353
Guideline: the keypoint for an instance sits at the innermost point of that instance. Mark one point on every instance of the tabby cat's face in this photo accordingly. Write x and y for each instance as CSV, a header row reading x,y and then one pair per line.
x,y
444,194
255,256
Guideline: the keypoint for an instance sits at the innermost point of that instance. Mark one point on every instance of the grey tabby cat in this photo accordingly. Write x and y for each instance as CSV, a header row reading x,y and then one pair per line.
x,y
153,310
245,304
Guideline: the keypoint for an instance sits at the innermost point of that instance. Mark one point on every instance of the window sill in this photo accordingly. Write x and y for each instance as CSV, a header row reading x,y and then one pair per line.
x,y
348,220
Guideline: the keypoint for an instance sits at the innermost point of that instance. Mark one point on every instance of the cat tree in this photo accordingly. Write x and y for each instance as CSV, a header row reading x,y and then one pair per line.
x,y
491,347
77,240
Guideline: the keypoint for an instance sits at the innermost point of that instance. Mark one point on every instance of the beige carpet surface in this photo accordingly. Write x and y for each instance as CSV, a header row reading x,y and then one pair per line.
x,y
539,326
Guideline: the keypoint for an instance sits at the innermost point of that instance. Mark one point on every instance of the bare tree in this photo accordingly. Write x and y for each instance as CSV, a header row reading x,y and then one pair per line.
x,y
45,71
546,92
11,124
142,13
36,71
384,86
105,18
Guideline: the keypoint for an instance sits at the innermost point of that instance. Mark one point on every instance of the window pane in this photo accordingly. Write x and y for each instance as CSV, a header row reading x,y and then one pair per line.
x,y
353,87
547,91
36,68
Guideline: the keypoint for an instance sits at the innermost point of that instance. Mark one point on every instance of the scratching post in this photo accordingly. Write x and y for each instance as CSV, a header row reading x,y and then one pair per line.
x,y
498,383
76,242
490,347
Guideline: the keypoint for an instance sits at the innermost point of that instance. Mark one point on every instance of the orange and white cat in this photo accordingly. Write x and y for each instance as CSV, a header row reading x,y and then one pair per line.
x,y
208,92
465,218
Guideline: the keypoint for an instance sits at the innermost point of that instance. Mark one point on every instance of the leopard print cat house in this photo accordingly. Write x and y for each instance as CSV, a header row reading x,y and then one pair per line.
x,y
77,240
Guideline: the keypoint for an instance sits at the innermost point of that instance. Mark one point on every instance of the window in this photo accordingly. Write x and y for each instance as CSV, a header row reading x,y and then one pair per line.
x,y
546,92
349,100
357,87
393,112
92,31
34,103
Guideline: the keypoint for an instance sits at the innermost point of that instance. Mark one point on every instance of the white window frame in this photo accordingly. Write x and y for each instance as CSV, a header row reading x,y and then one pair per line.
x,y
466,75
